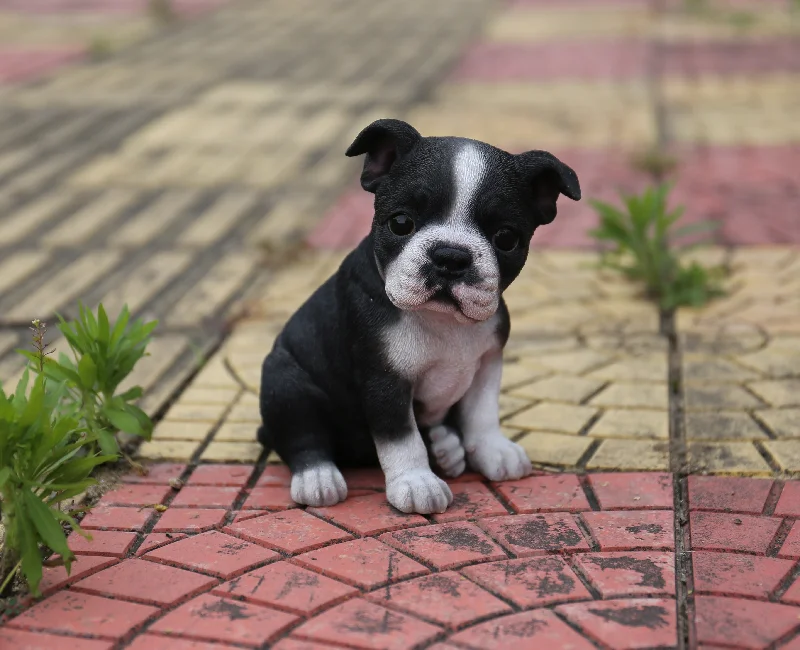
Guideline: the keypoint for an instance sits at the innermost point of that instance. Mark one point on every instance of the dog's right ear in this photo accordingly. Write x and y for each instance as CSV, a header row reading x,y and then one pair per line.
x,y
384,142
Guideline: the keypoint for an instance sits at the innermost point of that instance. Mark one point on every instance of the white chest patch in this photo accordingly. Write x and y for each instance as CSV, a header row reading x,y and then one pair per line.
x,y
439,357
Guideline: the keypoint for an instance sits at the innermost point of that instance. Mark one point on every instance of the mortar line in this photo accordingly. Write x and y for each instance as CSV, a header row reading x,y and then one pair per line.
x,y
677,434
678,467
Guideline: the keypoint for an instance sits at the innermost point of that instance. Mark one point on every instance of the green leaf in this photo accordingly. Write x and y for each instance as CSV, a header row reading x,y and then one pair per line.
x,y
119,326
77,469
29,551
61,371
132,394
87,370
122,420
4,474
108,443
103,331
68,492
33,409
46,523
144,420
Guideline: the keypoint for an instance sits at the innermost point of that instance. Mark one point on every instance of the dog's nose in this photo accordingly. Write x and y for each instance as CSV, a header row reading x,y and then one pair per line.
x,y
452,262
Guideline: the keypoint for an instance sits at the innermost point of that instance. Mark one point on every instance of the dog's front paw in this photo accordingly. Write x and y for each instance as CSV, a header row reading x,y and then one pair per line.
x,y
499,459
420,491
322,485
448,450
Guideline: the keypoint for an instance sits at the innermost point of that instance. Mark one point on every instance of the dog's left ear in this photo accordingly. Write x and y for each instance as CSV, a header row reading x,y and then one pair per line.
x,y
547,177
384,142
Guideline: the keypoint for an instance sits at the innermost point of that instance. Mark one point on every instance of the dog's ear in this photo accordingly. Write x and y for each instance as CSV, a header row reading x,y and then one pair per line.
x,y
547,177
384,142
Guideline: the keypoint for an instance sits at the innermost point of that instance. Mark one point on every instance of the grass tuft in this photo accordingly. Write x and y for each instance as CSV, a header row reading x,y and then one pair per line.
x,y
643,235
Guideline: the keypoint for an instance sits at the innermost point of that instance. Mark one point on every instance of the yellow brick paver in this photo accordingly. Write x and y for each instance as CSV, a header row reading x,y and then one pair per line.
x,y
554,114
547,416
633,395
723,425
727,458
554,448
783,423
631,423
633,455
742,369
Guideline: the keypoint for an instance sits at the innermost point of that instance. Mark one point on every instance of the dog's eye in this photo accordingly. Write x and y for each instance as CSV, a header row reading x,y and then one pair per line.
x,y
401,225
505,240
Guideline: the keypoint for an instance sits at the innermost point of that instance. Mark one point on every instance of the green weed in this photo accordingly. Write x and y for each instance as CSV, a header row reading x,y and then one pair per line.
x,y
104,354
56,429
643,235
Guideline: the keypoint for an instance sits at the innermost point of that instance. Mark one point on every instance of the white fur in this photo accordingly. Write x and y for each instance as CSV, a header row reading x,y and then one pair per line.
x,y
448,450
488,450
321,485
405,285
411,486
440,357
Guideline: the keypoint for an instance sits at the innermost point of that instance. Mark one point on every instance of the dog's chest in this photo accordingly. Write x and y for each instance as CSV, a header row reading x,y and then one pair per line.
x,y
439,358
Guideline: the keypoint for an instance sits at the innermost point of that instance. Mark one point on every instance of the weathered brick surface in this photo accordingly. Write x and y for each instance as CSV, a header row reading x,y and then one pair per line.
x,y
597,549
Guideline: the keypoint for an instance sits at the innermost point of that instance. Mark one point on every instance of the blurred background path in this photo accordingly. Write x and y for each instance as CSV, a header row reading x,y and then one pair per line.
x,y
186,157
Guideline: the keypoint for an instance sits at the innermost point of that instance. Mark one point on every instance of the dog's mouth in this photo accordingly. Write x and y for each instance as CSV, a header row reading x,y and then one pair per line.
x,y
467,303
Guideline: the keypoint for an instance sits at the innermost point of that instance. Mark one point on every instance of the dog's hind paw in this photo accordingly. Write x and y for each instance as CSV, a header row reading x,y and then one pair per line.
x,y
420,491
321,485
448,450
499,459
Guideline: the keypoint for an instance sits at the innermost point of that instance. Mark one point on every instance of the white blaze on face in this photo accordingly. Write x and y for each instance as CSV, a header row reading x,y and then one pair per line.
x,y
405,284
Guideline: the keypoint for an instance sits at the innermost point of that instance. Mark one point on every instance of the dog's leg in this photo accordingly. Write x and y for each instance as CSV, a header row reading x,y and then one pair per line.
x,y
448,450
411,486
319,485
296,427
488,450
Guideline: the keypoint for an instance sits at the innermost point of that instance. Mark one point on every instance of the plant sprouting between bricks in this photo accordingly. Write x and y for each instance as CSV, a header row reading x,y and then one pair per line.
x,y
55,429
104,354
643,234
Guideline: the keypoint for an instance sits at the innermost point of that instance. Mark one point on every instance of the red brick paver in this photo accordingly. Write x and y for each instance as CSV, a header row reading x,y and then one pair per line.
x,y
145,582
735,574
75,613
633,491
631,573
626,624
362,575
530,582
210,618
293,531
728,494
446,546
536,629
288,587
42,641
214,553
723,532
446,598
545,494
631,530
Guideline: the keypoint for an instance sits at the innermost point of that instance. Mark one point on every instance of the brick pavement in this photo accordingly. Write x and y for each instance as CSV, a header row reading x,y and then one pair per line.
x,y
663,509
548,561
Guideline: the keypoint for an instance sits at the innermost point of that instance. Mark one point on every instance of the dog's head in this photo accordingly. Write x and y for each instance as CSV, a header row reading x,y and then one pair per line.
x,y
454,217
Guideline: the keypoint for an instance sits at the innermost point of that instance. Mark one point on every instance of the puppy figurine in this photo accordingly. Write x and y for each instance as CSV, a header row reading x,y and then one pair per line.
x,y
400,353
